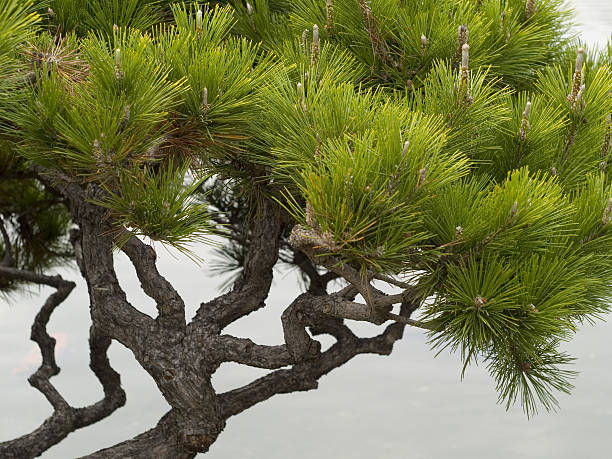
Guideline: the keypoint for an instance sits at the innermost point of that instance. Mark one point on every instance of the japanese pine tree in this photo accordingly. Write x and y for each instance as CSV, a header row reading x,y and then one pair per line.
x,y
443,158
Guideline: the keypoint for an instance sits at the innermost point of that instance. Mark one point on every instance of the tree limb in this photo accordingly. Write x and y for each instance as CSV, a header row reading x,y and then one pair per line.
x,y
250,292
170,305
7,259
304,376
65,419
160,441
241,350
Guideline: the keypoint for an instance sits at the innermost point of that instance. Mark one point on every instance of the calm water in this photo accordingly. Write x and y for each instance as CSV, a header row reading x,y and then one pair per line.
x,y
408,405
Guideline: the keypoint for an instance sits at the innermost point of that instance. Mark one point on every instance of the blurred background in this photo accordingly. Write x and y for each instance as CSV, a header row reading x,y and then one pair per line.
x,y
407,405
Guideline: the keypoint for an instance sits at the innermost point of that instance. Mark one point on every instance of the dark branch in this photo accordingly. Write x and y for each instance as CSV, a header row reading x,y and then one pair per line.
x,y
29,276
65,419
160,441
111,311
169,303
7,259
241,350
304,375
252,289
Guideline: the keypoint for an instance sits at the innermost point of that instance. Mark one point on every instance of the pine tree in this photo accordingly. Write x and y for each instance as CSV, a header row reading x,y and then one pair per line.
x,y
446,158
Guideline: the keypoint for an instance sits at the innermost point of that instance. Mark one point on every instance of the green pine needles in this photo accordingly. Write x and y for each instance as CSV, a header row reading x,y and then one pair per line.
x,y
461,146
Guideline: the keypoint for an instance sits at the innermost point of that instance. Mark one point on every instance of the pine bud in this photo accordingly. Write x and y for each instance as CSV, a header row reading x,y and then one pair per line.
x,y
577,81
199,21
115,28
423,40
527,110
465,56
605,219
553,170
304,40
514,209
458,231
462,35
314,57
525,126
579,100
118,73
51,13
530,9
405,149
479,301
300,90
465,97
421,179
329,11
204,106
580,59
251,19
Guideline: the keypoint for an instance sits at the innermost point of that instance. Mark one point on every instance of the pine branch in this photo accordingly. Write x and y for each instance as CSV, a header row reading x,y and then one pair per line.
x,y
170,305
65,418
250,291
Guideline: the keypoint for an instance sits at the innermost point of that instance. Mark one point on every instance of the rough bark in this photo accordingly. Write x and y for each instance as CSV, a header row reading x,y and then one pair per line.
x,y
181,358
160,441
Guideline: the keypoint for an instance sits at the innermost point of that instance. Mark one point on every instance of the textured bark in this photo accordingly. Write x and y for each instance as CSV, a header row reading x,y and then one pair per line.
x,y
160,441
169,303
181,358
252,289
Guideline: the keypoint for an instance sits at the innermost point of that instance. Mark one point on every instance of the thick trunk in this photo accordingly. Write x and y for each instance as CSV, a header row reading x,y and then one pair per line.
x,y
162,441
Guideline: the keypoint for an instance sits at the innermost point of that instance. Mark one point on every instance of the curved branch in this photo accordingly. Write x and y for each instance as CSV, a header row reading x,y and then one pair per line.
x,y
65,419
304,375
252,289
111,311
226,348
170,305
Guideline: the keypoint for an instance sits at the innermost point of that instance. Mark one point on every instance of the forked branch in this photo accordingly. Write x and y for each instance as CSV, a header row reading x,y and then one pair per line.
x,y
65,418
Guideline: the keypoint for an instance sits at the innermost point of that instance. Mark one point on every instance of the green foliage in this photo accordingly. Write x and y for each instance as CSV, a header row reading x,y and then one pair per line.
x,y
482,176
401,41
17,20
159,205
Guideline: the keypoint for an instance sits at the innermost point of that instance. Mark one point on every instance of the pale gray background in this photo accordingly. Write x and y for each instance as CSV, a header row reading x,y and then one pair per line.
x,y
408,405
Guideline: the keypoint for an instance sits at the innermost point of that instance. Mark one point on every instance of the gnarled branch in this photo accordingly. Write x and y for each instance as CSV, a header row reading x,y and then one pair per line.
x,y
250,292
304,376
228,348
65,419
170,305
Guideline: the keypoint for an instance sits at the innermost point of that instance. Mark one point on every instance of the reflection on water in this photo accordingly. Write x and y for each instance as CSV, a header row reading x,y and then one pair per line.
x,y
408,405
